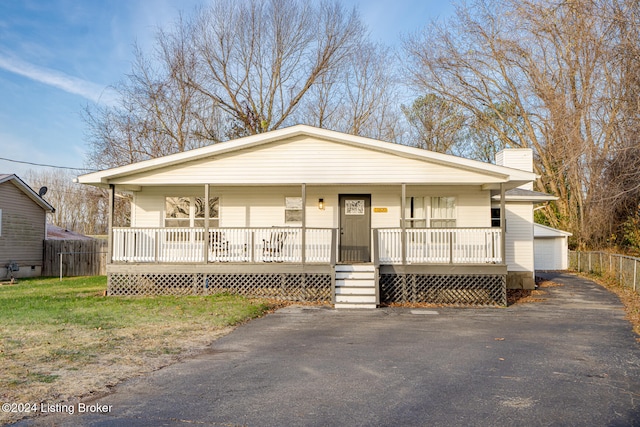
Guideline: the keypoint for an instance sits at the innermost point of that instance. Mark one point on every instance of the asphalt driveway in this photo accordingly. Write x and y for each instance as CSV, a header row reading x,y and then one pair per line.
x,y
569,360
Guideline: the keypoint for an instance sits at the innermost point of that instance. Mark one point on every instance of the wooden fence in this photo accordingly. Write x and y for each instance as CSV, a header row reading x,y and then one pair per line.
x,y
624,268
79,258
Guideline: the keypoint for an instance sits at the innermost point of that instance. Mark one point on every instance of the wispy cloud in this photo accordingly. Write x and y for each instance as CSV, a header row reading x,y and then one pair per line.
x,y
89,90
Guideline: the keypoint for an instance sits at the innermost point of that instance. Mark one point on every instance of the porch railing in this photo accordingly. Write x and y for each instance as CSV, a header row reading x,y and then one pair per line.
x,y
440,245
284,244
272,244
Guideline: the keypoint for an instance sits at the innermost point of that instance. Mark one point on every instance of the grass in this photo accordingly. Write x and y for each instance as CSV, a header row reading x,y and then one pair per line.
x,y
61,341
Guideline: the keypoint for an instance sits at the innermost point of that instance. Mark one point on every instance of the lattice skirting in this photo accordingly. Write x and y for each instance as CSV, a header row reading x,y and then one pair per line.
x,y
450,289
289,287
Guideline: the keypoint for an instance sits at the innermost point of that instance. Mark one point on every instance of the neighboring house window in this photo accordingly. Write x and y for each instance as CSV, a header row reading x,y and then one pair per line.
x,y
415,213
293,210
189,212
443,212
495,217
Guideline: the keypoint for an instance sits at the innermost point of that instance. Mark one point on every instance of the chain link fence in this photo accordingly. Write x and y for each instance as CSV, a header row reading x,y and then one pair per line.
x,y
624,268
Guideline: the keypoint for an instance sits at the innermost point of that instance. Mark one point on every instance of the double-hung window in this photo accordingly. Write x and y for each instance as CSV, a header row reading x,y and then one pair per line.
x,y
443,212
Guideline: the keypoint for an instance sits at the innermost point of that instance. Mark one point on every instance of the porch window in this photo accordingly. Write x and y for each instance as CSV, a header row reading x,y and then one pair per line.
x,y
293,210
495,217
415,213
190,211
443,212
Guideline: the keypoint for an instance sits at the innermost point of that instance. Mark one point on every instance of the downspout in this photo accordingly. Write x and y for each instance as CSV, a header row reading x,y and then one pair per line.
x,y
207,213
112,192
304,223
503,225
403,236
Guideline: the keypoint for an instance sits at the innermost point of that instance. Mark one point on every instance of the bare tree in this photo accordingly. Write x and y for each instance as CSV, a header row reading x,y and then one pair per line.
x,y
436,124
551,63
359,97
259,59
243,67
78,207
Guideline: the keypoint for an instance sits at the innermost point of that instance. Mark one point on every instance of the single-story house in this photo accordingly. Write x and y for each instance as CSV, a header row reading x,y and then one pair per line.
x,y
23,221
311,214
551,248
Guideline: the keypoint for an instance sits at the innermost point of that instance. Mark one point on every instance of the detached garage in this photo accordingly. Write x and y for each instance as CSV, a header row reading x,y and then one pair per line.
x,y
550,248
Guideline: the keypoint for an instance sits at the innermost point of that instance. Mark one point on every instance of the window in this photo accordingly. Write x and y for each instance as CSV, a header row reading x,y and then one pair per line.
x,y
414,212
189,212
443,212
214,211
292,210
495,217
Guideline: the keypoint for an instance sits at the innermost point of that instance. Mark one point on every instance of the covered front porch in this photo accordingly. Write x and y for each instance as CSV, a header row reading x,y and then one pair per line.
x,y
453,266
256,245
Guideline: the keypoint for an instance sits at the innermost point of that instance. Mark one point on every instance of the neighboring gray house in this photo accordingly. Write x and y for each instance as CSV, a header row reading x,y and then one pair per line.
x,y
22,228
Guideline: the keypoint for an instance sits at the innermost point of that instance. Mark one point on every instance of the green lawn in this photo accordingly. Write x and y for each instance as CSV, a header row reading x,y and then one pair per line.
x,y
60,341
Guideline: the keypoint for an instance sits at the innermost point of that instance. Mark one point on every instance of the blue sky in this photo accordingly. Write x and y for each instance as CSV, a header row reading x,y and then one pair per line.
x,y
57,56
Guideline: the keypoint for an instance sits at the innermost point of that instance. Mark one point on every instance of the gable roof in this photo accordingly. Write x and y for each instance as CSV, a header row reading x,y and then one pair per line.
x,y
26,190
124,175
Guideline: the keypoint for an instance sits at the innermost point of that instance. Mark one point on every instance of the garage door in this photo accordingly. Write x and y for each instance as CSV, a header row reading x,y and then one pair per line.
x,y
548,254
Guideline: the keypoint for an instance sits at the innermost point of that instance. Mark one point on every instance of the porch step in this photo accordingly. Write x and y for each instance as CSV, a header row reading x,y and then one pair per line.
x,y
355,286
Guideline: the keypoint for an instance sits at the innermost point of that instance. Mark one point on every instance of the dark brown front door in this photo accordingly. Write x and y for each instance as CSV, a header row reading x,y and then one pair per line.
x,y
355,228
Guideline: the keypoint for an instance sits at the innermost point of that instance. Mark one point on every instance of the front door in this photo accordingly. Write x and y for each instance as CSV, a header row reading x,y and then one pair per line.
x,y
355,228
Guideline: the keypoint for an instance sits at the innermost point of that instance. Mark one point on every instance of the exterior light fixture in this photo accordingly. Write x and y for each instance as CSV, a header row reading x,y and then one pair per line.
x,y
321,204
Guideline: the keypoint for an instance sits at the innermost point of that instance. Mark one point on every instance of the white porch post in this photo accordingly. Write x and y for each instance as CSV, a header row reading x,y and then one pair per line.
x,y
403,237
111,192
205,250
503,225
304,223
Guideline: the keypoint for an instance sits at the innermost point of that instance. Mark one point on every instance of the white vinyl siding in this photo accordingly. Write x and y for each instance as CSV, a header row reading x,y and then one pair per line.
x,y
309,160
519,237
517,158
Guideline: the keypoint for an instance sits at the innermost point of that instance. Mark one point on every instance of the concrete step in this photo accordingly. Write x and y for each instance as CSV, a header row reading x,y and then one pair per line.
x,y
355,275
353,290
355,299
361,283
355,267
355,306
